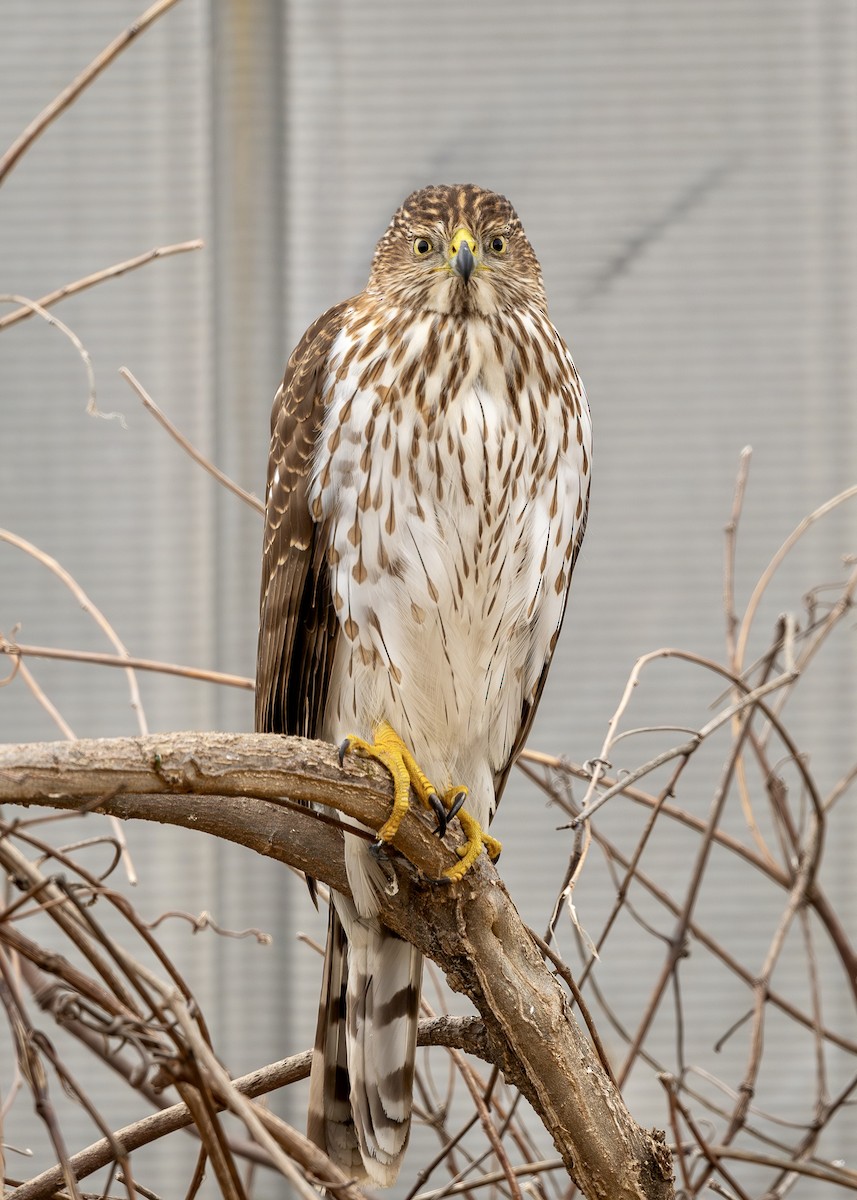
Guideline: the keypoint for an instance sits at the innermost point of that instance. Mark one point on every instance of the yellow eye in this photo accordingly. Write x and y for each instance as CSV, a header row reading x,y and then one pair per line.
x,y
422,247
498,244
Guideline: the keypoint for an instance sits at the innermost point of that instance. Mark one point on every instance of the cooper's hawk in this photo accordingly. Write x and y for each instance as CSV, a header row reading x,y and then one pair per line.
x,y
427,497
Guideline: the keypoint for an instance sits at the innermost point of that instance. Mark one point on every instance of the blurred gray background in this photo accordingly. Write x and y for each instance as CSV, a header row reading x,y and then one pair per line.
x,y
687,173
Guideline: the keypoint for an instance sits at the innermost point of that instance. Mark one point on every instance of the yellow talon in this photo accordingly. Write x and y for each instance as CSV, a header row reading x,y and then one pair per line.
x,y
476,839
389,750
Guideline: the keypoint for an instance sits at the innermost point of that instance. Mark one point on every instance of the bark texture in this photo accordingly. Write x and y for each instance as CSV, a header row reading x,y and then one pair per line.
x,y
251,789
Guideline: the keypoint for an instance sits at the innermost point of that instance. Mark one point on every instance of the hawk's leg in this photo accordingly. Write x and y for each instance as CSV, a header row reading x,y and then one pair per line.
x,y
389,750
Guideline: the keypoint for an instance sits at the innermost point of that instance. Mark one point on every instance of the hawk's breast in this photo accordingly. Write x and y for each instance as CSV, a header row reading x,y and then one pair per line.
x,y
451,477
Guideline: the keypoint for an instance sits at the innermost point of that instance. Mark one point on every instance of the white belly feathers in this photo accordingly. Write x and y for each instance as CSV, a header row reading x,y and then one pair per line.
x,y
452,515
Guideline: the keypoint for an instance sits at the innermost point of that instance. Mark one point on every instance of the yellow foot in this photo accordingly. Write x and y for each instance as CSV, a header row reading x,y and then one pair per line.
x,y
389,750
475,834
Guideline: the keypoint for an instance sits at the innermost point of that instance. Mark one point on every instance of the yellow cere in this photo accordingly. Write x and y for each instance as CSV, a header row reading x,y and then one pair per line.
x,y
462,235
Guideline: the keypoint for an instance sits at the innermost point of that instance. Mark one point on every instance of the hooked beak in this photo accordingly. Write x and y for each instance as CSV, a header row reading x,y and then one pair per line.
x,y
461,257
464,262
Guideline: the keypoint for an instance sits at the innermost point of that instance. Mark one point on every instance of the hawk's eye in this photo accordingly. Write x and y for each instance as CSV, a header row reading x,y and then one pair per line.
x,y
422,246
498,245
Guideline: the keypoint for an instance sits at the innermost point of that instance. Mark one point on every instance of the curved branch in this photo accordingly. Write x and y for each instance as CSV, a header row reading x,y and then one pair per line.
x,y
251,789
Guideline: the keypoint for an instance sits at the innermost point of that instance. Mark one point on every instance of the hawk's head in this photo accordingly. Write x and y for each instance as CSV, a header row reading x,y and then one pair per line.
x,y
457,249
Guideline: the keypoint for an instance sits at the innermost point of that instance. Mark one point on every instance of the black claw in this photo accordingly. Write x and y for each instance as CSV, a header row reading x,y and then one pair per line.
x,y
457,805
343,750
380,850
440,812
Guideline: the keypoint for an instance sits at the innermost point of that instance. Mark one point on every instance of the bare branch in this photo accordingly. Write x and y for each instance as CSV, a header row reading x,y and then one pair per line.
x,y
88,607
472,930
465,1033
731,532
766,576
69,94
88,281
15,650
195,454
521,1169
36,309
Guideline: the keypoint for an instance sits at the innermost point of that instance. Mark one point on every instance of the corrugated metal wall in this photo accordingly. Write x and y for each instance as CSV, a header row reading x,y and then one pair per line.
x,y
688,176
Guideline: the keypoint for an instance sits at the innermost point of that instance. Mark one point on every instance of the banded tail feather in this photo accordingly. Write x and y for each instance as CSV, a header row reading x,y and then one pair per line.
x,y
362,1074
329,1121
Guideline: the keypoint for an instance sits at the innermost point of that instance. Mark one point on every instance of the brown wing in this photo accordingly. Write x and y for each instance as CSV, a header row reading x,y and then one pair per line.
x,y
297,623
529,710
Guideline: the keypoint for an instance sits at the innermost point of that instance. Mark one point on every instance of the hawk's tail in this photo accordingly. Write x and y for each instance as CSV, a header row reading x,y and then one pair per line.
x,y
329,1122
363,1063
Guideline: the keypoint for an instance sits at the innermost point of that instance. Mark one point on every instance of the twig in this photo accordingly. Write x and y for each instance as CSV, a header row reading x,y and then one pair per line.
x,y
39,695
73,1088
812,1135
199,1099
831,1174
728,960
145,1192
195,454
88,281
36,308
493,1177
67,917
177,1116
33,1071
88,607
15,650
839,790
66,730
796,534
198,1177
731,532
69,94
802,881
672,1090
253,1118
821,632
686,748
447,1146
206,921
697,875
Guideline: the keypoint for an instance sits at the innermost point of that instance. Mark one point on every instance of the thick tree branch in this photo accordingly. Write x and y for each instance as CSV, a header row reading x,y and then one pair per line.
x,y
244,788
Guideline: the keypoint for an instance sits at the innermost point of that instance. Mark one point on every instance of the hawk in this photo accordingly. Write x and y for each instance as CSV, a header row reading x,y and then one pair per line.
x,y
427,495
